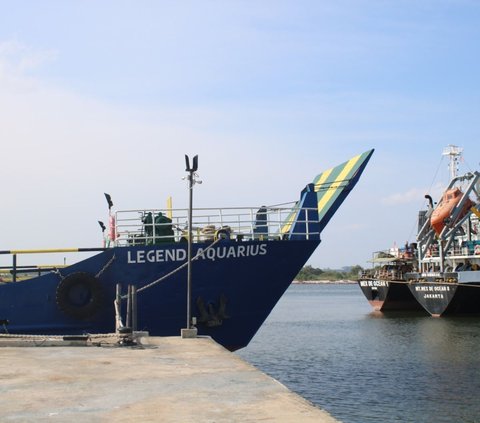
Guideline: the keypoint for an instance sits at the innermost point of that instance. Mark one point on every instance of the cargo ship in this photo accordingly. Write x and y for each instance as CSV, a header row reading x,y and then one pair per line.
x,y
441,271
448,277
385,285
220,271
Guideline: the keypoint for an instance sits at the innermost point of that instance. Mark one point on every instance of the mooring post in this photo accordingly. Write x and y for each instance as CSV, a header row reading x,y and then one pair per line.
x,y
128,319
134,308
14,270
118,307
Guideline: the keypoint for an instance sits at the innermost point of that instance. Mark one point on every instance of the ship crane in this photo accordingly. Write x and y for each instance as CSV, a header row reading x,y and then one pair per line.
x,y
458,213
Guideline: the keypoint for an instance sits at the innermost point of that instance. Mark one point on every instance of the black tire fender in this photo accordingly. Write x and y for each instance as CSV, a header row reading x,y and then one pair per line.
x,y
80,295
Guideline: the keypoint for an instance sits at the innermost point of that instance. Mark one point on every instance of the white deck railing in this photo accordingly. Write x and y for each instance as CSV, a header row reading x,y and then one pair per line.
x,y
152,226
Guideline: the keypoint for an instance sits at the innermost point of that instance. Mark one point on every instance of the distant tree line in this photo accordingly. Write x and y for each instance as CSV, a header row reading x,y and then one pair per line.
x,y
309,273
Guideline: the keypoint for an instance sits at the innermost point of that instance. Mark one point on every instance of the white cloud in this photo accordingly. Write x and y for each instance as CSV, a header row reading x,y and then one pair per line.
x,y
413,195
16,57
409,196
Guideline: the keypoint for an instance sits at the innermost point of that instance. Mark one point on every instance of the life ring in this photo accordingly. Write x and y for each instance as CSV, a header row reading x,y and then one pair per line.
x,y
80,295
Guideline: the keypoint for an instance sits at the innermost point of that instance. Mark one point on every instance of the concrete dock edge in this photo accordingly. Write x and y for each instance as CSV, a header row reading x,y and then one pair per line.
x,y
162,380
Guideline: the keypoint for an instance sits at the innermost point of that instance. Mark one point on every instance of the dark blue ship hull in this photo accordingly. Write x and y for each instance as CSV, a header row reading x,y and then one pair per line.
x,y
235,285
236,279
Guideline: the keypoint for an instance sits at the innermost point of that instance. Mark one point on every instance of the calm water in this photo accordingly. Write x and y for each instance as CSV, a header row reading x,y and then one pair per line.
x,y
323,342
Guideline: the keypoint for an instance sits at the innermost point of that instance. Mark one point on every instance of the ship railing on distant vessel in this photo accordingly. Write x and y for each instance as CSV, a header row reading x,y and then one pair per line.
x,y
385,273
391,264
154,226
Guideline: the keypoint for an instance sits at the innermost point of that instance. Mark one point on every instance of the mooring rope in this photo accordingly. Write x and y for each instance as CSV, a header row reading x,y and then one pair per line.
x,y
105,267
57,272
55,337
100,272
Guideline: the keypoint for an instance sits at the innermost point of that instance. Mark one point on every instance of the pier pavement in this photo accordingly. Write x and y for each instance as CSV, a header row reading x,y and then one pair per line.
x,y
161,380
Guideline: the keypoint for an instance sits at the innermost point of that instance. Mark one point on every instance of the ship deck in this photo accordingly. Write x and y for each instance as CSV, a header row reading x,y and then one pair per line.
x,y
162,379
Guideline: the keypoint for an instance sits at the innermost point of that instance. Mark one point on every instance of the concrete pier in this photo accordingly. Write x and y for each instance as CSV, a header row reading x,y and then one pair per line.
x,y
162,380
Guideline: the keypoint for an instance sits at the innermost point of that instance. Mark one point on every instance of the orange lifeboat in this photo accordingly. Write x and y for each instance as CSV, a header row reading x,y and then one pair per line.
x,y
444,210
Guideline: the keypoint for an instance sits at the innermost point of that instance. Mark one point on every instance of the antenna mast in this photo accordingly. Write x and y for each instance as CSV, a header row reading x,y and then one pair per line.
x,y
454,153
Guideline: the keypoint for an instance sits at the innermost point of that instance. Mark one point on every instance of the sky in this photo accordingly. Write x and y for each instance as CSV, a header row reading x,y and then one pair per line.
x,y
108,96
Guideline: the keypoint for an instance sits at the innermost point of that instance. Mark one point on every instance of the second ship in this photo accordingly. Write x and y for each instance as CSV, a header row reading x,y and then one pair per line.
x,y
440,272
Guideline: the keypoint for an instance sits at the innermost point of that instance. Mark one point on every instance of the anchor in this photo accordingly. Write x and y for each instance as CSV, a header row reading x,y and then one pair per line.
x,y
211,314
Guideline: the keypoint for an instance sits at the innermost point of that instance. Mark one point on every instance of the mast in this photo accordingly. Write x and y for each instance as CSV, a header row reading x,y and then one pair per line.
x,y
454,153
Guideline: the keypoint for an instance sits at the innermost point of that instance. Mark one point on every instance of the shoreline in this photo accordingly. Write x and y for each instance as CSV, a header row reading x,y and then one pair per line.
x,y
325,282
